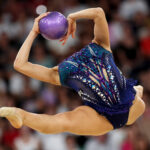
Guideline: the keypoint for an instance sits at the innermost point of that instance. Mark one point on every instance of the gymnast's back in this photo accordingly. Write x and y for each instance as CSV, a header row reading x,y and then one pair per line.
x,y
93,73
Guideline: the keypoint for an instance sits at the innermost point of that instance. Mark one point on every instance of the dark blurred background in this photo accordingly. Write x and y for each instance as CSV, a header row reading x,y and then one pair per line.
x,y
129,25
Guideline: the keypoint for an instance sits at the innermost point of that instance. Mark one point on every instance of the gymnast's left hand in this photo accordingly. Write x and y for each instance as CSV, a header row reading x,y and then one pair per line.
x,y
71,29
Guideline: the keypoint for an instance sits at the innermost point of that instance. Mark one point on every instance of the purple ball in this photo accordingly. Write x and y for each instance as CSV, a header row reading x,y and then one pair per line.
x,y
54,26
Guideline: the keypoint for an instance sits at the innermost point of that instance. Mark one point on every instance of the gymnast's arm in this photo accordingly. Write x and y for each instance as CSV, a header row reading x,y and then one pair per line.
x,y
101,32
35,71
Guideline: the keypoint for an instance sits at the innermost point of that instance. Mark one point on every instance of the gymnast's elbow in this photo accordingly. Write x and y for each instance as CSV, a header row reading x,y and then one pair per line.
x,y
99,12
18,64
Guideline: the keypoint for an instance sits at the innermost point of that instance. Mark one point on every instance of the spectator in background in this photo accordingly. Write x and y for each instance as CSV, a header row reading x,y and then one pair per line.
x,y
129,8
71,143
9,136
142,143
128,143
116,30
98,143
52,142
26,140
40,56
145,43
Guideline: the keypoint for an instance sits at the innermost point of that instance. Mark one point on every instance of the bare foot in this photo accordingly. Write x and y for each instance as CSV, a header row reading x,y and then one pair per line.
x,y
139,90
13,115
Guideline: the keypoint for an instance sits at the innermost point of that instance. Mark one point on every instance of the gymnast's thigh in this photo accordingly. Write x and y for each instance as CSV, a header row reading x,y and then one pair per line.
x,y
84,120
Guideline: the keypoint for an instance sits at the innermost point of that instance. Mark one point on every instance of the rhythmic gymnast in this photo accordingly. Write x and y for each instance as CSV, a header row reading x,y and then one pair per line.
x,y
111,100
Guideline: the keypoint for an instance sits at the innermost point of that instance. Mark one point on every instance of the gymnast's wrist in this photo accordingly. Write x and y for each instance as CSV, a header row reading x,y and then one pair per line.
x,y
72,17
34,33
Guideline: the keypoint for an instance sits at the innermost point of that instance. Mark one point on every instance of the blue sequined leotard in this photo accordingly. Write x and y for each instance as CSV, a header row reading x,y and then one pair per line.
x,y
93,74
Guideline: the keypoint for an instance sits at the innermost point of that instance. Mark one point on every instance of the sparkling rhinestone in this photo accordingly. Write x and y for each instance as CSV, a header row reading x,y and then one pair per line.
x,y
112,77
84,80
89,81
104,97
97,89
102,94
109,67
108,103
99,93
93,86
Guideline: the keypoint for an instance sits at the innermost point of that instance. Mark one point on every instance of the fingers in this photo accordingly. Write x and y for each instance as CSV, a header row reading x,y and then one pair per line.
x,y
41,16
71,31
74,30
65,38
73,34
61,39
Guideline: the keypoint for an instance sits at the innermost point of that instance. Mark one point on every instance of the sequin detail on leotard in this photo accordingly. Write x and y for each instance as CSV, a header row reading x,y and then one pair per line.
x,y
94,75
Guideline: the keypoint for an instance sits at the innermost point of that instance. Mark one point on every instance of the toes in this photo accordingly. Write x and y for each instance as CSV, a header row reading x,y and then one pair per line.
x,y
4,111
139,90
12,115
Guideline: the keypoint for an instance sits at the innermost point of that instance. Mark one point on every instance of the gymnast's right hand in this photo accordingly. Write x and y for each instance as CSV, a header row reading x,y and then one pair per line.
x,y
35,27
71,29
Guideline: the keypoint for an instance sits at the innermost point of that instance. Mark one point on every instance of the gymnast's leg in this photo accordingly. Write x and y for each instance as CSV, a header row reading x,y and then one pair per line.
x,y
82,121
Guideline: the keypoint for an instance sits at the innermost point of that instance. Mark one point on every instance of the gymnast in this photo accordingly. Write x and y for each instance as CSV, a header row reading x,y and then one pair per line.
x,y
110,100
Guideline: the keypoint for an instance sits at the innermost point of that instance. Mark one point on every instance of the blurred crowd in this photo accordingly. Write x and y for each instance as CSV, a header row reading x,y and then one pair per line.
x,y
129,26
